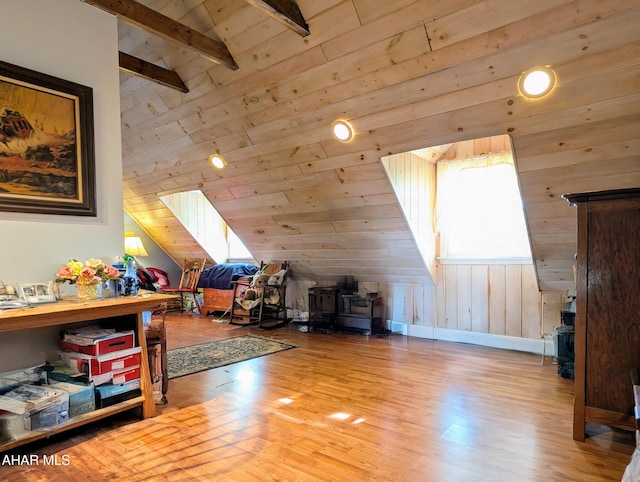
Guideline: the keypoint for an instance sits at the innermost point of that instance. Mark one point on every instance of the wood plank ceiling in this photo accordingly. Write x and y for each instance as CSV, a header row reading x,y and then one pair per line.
x,y
408,75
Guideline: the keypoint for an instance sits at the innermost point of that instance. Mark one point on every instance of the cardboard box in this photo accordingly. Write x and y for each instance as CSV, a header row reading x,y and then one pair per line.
x,y
97,342
118,378
109,390
101,364
11,426
41,406
81,397
64,373
109,401
111,394
48,417
81,334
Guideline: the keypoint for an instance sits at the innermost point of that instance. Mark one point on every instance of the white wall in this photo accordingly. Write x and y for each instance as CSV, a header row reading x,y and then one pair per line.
x,y
157,258
73,41
76,42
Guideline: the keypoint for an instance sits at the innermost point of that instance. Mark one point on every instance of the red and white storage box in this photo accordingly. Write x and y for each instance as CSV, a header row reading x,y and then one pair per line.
x,y
97,341
116,377
124,376
101,364
72,363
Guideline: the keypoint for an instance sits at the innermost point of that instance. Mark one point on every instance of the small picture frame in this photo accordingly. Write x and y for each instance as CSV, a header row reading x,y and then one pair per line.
x,y
35,293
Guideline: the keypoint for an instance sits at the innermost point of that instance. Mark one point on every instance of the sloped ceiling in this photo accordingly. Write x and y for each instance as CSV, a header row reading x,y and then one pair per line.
x,y
408,75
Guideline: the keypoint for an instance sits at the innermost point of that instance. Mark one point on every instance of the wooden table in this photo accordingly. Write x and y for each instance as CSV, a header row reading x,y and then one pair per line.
x,y
125,312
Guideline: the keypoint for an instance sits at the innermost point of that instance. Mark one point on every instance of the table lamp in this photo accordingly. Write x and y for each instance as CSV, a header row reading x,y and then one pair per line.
x,y
132,247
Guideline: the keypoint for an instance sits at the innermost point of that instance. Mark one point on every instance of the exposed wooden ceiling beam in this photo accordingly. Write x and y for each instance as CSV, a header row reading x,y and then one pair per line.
x,y
286,12
140,16
157,74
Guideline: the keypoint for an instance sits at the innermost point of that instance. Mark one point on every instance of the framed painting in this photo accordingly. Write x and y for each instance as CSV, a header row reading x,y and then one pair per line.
x,y
47,158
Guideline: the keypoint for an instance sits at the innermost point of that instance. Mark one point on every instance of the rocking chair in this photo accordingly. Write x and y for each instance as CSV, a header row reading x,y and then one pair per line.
x,y
261,300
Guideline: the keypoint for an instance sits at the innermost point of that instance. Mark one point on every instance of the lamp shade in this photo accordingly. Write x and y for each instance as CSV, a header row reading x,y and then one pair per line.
x,y
133,246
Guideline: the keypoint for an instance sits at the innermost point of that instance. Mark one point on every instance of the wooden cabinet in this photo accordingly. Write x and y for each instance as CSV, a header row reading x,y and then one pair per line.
x,y
124,312
322,308
362,314
607,323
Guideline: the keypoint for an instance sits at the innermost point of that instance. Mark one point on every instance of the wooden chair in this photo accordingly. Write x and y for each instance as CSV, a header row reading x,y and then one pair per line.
x,y
191,272
156,335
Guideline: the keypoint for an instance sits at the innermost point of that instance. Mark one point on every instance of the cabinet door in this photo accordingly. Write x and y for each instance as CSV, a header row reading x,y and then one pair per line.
x,y
613,304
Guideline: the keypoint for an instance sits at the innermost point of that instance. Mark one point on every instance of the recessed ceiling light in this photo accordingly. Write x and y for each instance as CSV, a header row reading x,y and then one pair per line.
x,y
342,130
217,161
537,82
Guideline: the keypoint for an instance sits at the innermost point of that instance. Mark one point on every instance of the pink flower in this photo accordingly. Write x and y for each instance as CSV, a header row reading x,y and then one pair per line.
x,y
65,273
111,272
88,276
88,272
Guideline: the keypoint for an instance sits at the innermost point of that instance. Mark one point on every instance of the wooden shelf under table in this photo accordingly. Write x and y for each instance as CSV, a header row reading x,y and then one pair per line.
x,y
75,310
74,422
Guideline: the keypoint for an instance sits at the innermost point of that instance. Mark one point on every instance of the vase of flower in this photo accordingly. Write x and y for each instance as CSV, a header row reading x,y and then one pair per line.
x,y
90,291
88,277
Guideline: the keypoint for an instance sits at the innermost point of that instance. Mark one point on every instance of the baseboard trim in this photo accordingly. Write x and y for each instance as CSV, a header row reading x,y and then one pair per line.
x,y
539,347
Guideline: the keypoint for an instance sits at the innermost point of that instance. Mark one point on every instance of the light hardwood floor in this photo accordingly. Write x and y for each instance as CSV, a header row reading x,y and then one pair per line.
x,y
345,407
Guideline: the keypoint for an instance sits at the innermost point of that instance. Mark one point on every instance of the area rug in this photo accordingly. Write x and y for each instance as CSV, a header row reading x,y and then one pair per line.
x,y
198,358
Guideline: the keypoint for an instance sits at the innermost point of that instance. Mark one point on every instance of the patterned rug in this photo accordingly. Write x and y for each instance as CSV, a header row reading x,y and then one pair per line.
x,y
198,358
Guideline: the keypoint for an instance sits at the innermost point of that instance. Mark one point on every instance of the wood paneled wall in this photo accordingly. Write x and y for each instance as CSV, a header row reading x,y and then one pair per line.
x,y
414,182
498,299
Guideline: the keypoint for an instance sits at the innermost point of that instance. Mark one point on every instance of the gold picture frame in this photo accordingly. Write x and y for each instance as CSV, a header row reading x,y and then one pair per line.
x,y
47,158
